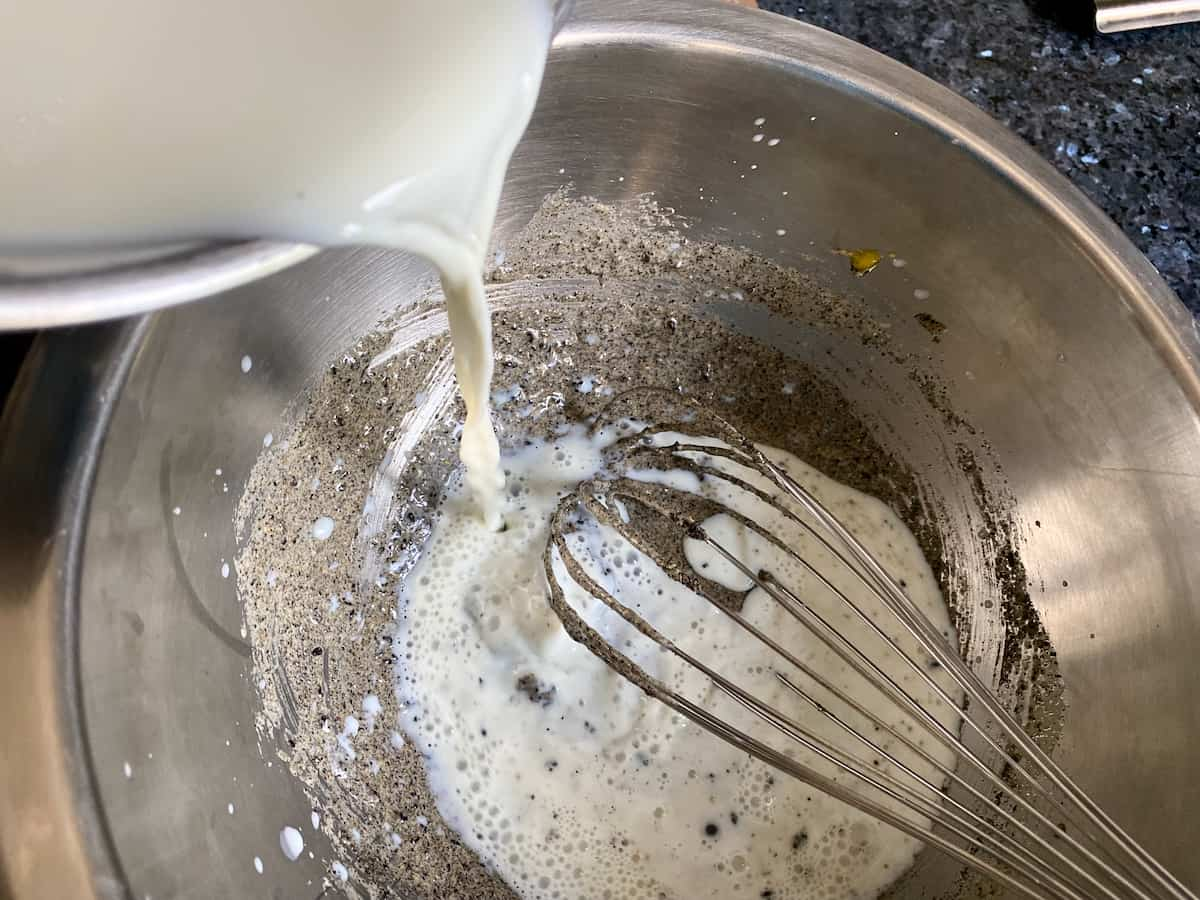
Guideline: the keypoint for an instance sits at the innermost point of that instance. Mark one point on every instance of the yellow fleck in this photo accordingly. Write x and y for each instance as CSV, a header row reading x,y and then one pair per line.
x,y
862,261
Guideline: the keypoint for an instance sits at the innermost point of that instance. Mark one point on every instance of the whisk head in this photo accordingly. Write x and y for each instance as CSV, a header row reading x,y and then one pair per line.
x,y
801,626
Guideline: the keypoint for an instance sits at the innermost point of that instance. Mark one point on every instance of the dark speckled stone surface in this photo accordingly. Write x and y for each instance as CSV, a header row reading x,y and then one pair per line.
x,y
1118,114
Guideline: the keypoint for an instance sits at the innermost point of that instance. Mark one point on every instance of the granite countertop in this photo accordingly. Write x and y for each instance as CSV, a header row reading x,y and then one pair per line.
x,y
1118,114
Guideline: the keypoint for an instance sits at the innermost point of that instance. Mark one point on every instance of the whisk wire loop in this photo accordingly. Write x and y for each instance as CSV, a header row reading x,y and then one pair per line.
x,y
1003,807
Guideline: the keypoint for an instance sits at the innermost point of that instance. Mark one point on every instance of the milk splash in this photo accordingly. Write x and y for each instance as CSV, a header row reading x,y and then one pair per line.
x,y
566,779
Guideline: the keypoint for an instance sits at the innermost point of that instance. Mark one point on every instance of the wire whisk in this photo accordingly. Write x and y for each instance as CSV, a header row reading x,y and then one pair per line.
x,y
921,743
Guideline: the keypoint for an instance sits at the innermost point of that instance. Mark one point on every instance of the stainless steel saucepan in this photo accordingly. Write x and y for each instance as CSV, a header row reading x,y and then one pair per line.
x,y
1127,15
1075,365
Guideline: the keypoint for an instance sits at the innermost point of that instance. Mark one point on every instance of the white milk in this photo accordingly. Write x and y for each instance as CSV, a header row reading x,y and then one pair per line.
x,y
575,782
365,121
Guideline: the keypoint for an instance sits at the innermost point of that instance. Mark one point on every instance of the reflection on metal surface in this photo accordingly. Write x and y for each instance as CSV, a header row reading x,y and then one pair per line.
x,y
110,293
195,602
1126,15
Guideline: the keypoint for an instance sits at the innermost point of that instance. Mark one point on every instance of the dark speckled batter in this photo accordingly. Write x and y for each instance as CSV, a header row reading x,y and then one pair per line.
x,y
588,296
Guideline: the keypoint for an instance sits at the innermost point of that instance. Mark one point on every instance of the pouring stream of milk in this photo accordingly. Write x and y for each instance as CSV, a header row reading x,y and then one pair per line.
x,y
384,122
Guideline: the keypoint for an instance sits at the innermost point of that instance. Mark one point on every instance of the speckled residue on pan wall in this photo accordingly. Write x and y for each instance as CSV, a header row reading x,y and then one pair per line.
x,y
588,301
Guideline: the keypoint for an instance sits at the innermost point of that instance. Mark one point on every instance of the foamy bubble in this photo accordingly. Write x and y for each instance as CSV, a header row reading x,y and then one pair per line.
x,y
529,736
291,842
